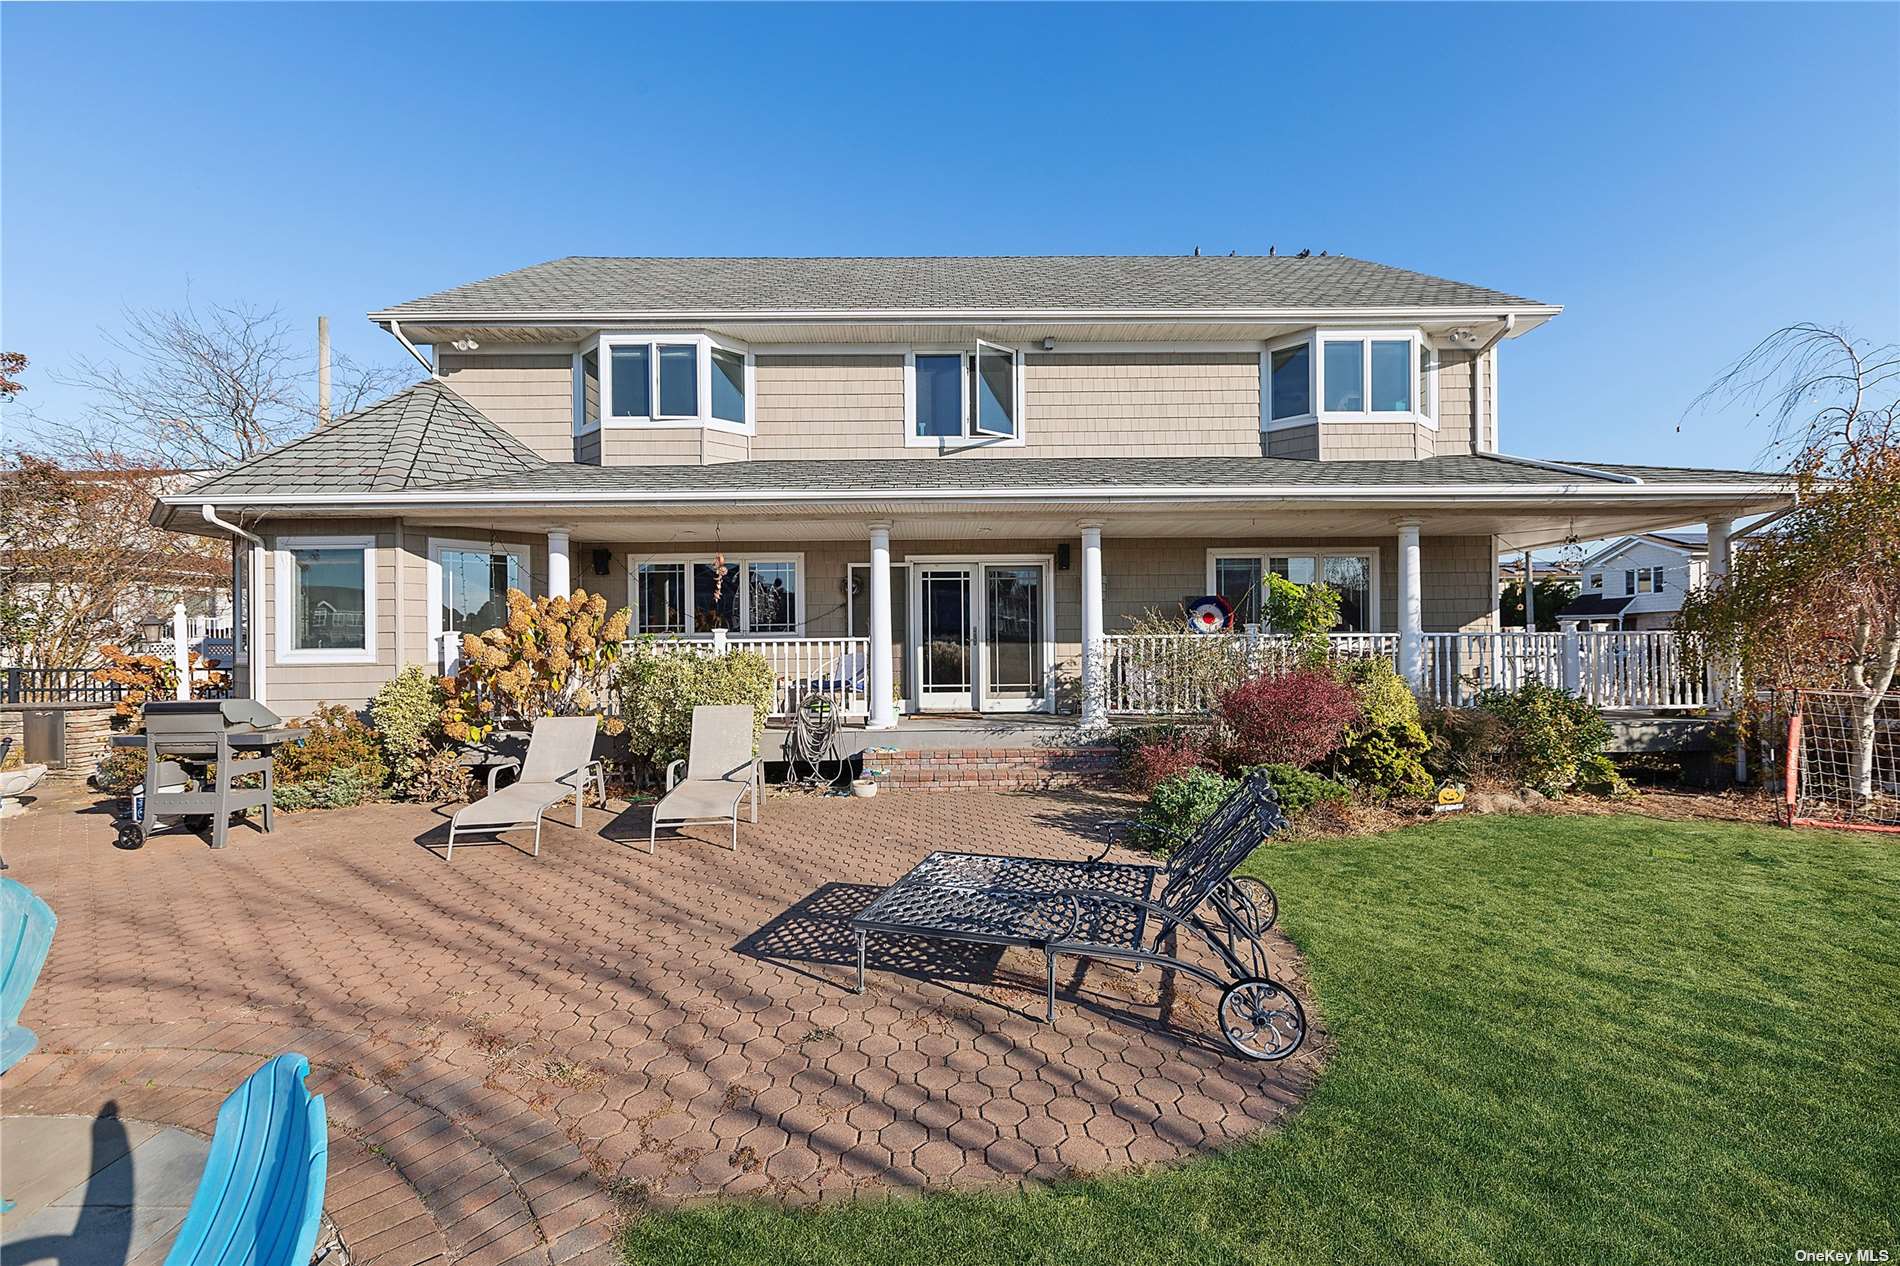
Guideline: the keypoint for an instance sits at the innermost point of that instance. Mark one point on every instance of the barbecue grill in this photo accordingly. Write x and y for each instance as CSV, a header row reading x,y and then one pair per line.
x,y
234,737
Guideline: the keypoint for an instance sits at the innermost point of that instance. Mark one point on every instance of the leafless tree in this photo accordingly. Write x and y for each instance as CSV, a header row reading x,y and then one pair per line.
x,y
1817,603
198,388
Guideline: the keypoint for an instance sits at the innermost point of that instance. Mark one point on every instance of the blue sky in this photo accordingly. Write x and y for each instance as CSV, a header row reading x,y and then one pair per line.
x,y
1683,180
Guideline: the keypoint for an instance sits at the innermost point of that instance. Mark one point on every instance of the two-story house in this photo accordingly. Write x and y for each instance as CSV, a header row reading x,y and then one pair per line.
x,y
964,474
1638,582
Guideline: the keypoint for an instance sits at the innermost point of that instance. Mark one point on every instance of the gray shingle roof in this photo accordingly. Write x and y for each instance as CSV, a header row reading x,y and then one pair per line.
x,y
595,285
421,437
1039,473
1593,605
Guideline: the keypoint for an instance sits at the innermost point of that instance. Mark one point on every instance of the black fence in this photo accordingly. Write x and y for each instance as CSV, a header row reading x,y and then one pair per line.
x,y
56,685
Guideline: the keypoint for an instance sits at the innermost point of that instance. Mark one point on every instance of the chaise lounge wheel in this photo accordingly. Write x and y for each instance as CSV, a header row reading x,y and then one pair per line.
x,y
1258,905
1261,1019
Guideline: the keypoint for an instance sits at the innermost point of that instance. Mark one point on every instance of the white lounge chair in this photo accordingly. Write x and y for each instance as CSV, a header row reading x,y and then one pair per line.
x,y
720,769
560,763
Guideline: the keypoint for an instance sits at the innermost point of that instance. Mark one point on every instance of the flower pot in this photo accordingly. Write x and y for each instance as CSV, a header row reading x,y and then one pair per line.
x,y
863,787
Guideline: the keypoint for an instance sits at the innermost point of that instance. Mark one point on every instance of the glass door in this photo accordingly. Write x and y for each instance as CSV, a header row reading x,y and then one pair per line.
x,y
946,640
1013,637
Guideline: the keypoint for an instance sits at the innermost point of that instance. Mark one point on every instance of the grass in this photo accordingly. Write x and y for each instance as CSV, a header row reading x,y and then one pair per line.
x,y
1564,1040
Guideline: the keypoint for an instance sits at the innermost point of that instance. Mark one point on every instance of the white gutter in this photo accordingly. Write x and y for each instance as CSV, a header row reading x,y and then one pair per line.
x,y
971,315
395,327
1618,488
255,621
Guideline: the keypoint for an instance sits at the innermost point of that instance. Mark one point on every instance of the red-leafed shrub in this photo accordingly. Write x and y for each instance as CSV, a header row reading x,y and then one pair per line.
x,y
1153,763
1295,718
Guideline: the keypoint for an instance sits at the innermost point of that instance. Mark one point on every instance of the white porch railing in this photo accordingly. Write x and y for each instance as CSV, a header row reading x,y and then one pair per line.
x,y
801,666
1172,674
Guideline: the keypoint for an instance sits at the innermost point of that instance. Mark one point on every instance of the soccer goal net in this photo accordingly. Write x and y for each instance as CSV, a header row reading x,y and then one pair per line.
x,y
1844,761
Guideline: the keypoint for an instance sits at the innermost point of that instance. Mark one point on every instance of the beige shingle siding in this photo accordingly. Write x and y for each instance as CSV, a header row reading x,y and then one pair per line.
x,y
1372,441
1298,442
1454,404
1139,404
724,446
649,446
294,690
587,448
530,394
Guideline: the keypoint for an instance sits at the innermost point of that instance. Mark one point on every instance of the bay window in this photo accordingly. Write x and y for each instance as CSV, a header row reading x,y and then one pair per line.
x,y
1356,375
326,599
693,596
665,380
967,396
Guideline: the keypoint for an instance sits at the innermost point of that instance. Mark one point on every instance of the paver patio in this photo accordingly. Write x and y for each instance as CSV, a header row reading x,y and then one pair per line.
x,y
512,1044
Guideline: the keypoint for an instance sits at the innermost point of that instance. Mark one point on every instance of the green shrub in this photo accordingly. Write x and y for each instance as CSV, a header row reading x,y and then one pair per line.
x,y
343,788
1546,734
337,740
1299,791
1384,751
660,688
1178,805
407,713
1598,775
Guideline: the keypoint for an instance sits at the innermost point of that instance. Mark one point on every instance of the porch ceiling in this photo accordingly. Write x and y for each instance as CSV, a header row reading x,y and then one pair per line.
x,y
1517,526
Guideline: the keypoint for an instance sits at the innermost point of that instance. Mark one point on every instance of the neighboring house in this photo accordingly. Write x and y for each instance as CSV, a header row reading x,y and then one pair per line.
x,y
1638,582
980,465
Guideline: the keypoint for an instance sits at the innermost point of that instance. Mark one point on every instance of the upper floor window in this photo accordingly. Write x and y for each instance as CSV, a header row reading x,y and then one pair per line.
x,y
1643,580
670,380
1350,376
964,396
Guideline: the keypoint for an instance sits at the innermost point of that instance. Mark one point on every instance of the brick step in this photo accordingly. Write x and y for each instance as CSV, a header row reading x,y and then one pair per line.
x,y
1002,768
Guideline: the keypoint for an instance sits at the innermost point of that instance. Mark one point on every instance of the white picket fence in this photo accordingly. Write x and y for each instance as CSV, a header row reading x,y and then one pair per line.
x,y
1174,674
837,667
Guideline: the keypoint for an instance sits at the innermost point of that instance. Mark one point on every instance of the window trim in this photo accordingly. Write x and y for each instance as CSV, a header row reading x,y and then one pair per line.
x,y
744,560
439,545
1375,614
971,438
602,347
1425,364
286,649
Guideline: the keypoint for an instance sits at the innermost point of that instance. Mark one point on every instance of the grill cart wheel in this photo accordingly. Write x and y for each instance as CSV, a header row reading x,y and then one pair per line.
x,y
1261,1019
1259,908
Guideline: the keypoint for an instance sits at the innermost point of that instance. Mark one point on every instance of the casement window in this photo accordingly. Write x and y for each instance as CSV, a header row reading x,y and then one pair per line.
x,y
1240,577
1349,375
664,380
326,599
964,396
683,597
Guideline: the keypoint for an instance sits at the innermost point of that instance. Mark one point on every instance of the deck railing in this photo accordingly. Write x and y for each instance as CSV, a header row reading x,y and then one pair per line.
x,y
837,667
1175,674
56,685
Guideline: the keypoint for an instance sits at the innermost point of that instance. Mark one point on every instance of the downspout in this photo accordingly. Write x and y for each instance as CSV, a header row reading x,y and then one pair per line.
x,y
254,622
1477,387
395,327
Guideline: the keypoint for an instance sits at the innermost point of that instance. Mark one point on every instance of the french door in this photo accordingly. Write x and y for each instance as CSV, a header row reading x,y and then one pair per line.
x,y
982,635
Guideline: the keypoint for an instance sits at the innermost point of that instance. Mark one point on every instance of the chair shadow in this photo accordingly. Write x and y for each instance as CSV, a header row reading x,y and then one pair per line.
x,y
816,932
435,839
104,1230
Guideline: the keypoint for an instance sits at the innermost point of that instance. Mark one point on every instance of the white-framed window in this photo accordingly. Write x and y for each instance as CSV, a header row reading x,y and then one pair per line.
x,y
670,379
969,395
691,595
1353,572
1348,376
326,599
1596,580
468,590
1643,580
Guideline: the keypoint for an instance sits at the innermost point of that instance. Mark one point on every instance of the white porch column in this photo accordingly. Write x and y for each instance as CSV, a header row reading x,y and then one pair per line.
x,y
1094,675
1530,595
1411,607
558,575
181,650
1720,672
883,708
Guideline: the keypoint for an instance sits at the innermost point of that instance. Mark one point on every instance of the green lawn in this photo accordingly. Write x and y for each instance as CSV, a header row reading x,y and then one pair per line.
x,y
1566,1040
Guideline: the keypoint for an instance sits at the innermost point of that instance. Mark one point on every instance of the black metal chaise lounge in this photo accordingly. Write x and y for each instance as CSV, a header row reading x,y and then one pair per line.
x,y
1118,911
